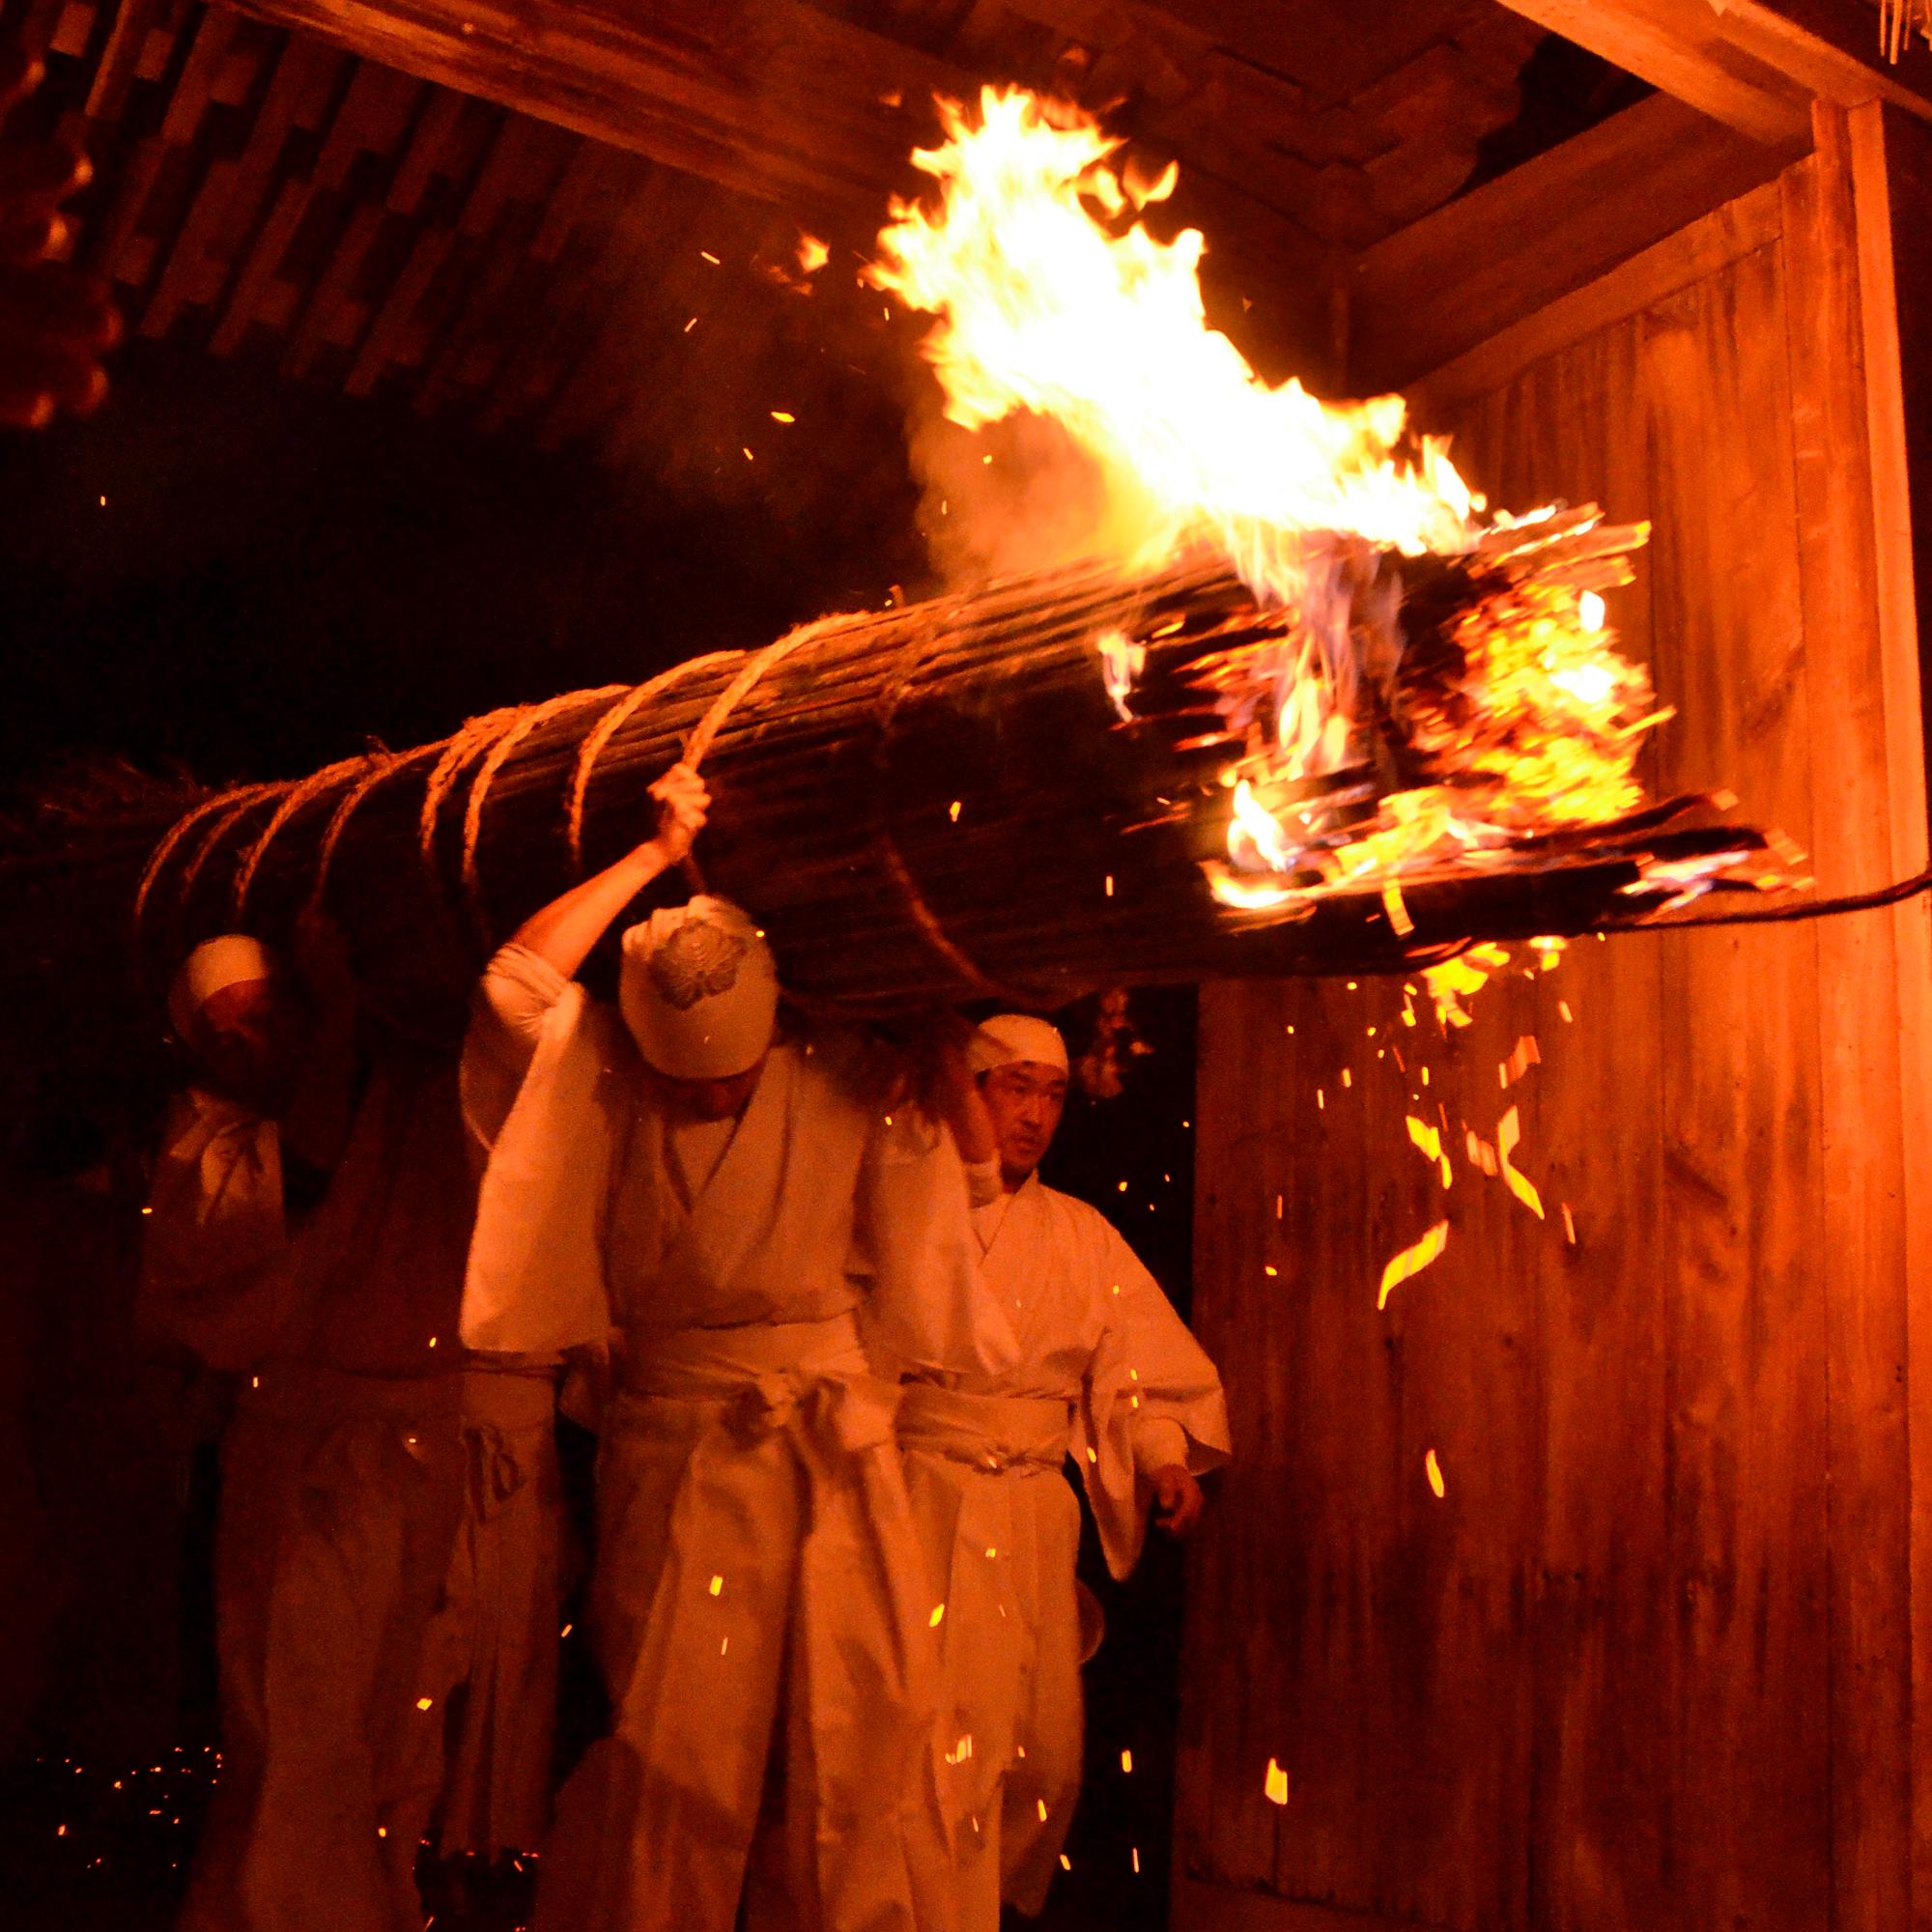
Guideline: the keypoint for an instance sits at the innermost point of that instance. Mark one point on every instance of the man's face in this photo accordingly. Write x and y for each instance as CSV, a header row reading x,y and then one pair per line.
x,y
241,1037
709,1100
1026,1099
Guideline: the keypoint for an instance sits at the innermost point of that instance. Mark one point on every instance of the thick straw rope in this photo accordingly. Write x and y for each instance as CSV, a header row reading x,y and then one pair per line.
x,y
603,731
502,732
176,832
298,795
530,719
382,764
458,748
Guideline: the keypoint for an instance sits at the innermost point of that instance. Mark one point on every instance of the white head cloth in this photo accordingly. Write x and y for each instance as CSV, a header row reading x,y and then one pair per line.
x,y
229,959
699,990
1009,1037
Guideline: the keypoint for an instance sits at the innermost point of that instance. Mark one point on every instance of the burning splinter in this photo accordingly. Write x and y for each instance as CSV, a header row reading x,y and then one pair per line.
x,y
1108,1374
725,1194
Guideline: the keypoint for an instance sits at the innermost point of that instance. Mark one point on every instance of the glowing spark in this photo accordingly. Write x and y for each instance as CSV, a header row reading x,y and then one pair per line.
x,y
952,811
1525,1054
1126,1760
716,1585
709,256
812,254
1509,1131
1042,1803
938,1615
423,1704
1412,1260
1275,1785
1434,1469
783,416
1568,1225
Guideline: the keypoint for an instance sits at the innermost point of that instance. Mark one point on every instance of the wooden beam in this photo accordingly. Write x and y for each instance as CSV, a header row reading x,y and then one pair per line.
x,y
767,96
1755,65
1462,274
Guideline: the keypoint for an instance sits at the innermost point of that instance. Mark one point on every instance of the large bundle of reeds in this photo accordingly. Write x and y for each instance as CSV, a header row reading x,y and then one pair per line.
x,y
933,803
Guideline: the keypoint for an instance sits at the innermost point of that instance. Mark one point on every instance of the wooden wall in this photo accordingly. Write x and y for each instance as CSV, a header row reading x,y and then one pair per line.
x,y
1649,1662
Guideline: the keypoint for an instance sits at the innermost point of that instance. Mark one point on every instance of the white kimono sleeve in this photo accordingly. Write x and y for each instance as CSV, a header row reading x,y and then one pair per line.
x,y
534,1067
912,1238
1153,1398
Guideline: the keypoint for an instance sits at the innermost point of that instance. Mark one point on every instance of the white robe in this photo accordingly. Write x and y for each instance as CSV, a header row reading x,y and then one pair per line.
x,y
391,1522
1111,1375
758,1599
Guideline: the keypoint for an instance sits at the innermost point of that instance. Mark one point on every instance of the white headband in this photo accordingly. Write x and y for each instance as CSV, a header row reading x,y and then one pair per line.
x,y
1009,1037
229,959
699,989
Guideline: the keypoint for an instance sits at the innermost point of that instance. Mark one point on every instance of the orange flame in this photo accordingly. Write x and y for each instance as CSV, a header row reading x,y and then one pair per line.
x,y
1053,300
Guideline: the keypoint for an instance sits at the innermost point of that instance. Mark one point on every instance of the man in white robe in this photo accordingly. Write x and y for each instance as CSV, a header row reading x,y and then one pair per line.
x,y
389,1529
1109,1374
725,1198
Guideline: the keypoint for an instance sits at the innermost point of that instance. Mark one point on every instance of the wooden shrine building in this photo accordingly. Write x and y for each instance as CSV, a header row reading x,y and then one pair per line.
x,y
1587,1585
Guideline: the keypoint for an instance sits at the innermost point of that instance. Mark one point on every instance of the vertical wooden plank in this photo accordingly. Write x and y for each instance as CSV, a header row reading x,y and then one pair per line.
x,y
1861,1250
1605,1663
1891,171
1749,1322
1234,1578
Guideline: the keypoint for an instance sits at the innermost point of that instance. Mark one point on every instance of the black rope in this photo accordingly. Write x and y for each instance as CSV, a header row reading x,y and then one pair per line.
x,y
1895,893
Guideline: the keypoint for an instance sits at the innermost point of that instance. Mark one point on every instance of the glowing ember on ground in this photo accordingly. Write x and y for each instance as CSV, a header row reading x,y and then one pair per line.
x,y
1364,746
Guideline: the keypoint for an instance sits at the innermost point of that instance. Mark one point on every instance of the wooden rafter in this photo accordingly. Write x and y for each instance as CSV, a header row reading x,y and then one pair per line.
x,y
766,96
1755,65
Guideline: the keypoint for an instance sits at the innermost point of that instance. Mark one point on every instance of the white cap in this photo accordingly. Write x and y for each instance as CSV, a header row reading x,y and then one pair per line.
x,y
699,990
1007,1037
229,959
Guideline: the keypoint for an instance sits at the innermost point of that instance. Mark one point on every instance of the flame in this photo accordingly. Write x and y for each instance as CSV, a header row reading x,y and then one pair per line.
x,y
1055,304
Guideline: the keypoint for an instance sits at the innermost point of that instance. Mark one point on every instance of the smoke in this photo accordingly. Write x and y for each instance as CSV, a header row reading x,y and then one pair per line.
x,y
1017,496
